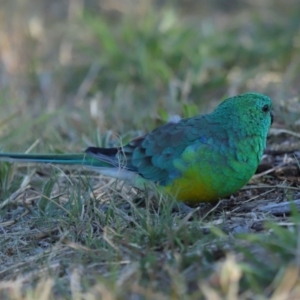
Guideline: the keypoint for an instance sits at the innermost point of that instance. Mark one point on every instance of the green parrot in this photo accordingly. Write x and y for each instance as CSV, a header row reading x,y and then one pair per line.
x,y
203,158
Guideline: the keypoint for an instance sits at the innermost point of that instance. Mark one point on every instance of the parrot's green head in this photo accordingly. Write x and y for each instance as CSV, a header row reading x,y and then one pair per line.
x,y
251,112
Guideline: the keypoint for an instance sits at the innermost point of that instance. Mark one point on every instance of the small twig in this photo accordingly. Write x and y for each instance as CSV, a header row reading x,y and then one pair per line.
x,y
32,146
23,187
279,208
87,82
14,221
25,204
277,131
269,171
252,198
13,196
187,217
44,234
270,186
211,210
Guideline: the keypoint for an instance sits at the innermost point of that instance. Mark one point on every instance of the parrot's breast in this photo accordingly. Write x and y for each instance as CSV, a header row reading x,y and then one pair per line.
x,y
195,185
210,173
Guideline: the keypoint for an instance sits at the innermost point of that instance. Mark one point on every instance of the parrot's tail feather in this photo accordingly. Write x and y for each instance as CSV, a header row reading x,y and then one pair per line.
x,y
62,159
106,166
107,155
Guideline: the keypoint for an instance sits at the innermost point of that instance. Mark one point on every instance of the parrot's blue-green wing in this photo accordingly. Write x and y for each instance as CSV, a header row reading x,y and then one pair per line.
x,y
152,156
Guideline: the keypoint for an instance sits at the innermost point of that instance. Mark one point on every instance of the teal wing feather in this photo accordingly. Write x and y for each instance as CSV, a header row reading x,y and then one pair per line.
x,y
153,155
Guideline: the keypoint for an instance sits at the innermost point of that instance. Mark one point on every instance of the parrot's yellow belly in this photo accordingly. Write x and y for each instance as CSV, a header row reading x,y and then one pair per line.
x,y
195,186
191,191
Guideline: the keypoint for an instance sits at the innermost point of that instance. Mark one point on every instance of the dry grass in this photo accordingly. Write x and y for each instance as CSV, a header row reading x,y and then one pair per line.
x,y
71,78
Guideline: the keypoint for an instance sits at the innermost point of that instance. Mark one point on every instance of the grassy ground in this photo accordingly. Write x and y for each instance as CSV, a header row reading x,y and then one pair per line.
x,y
82,73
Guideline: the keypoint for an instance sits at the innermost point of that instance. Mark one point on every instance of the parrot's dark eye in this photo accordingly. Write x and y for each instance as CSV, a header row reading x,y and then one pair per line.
x,y
266,108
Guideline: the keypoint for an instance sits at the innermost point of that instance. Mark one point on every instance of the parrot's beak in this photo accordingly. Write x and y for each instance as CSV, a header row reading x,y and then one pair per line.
x,y
272,117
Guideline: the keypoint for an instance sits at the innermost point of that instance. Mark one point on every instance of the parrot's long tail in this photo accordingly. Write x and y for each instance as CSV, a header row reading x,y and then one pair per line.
x,y
101,163
62,159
